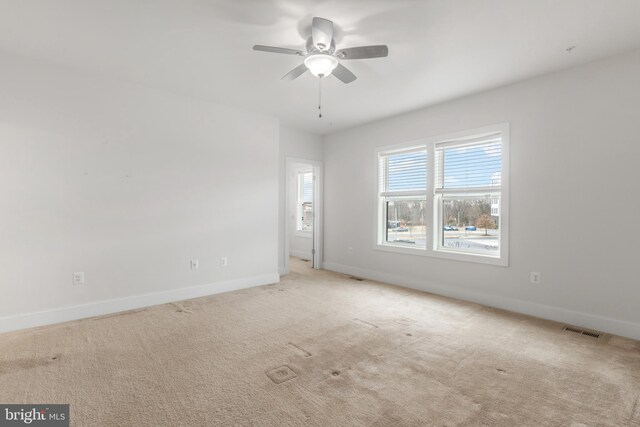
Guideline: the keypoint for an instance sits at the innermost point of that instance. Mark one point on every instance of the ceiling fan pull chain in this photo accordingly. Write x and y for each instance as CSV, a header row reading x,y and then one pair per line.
x,y
320,98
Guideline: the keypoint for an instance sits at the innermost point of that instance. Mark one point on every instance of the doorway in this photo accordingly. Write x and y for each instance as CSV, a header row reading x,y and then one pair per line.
x,y
303,218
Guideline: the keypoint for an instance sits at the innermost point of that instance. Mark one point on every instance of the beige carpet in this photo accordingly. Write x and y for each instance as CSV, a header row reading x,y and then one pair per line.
x,y
340,352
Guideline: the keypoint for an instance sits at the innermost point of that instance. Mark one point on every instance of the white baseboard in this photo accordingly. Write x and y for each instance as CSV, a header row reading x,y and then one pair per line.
x,y
300,254
65,314
558,314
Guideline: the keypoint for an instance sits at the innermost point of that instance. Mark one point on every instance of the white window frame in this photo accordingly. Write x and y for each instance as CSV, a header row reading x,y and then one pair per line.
x,y
432,213
420,195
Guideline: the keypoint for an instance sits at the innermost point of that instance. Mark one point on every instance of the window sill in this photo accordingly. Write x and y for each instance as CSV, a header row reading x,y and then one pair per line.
x,y
304,234
470,257
444,254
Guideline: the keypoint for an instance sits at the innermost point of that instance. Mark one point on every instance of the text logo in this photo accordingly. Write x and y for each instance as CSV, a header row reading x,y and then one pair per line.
x,y
54,415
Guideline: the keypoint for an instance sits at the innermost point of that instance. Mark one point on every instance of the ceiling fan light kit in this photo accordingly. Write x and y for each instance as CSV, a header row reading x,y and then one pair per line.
x,y
321,57
321,64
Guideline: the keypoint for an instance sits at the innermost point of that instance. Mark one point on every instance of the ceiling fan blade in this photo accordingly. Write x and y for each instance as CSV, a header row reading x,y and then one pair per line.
x,y
322,33
278,50
295,73
343,74
363,52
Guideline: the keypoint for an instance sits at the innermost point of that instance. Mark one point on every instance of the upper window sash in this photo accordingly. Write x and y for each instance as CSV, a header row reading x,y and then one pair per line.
x,y
403,173
470,165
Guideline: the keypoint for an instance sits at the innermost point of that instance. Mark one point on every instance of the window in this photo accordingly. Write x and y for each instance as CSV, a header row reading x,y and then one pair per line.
x,y
468,187
403,195
453,206
305,202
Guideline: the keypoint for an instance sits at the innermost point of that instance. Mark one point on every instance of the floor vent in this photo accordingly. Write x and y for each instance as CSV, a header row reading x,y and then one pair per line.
x,y
581,332
359,279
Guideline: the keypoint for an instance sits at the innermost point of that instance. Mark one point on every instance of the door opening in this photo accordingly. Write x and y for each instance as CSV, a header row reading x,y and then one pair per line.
x,y
303,212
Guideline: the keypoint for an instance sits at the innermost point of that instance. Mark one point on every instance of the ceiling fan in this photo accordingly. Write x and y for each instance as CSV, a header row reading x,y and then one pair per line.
x,y
321,57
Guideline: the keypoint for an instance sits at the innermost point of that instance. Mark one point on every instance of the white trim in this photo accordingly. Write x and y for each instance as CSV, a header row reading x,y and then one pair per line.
x,y
464,142
470,192
557,314
442,253
403,194
505,217
408,150
99,308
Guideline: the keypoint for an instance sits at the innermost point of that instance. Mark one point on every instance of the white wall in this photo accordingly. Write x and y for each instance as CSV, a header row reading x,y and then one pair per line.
x,y
294,144
574,197
127,184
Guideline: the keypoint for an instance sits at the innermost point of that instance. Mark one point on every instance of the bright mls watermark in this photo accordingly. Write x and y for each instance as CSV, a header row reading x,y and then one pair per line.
x,y
55,415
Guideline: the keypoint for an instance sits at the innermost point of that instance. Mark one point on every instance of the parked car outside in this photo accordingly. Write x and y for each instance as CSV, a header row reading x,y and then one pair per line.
x,y
396,226
450,228
470,228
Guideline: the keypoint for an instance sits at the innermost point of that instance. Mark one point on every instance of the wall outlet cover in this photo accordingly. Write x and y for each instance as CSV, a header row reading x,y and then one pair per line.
x,y
78,278
535,277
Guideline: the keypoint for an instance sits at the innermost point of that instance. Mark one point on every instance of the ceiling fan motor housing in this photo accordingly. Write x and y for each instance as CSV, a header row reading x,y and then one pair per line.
x,y
311,48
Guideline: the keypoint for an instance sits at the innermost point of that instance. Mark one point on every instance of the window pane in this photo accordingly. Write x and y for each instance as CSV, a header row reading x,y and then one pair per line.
x,y
405,223
307,187
472,166
307,217
305,201
471,224
407,172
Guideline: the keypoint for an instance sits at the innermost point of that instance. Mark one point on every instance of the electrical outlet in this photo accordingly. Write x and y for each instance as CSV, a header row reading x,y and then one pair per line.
x,y
195,264
224,262
78,278
535,277
350,251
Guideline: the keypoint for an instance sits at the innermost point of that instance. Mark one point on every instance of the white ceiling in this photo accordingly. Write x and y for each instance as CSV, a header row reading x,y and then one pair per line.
x,y
438,49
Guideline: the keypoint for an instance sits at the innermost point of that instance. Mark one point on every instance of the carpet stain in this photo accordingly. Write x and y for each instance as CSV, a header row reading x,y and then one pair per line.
x,y
304,352
364,322
180,308
281,374
405,321
24,364
635,412
119,315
